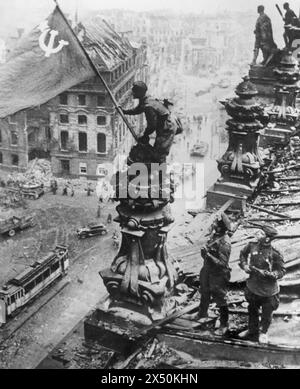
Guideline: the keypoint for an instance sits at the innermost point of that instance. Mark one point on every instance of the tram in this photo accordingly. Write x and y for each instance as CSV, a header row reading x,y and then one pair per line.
x,y
21,289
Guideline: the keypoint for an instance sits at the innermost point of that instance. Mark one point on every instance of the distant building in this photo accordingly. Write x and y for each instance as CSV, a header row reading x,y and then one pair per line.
x,y
80,129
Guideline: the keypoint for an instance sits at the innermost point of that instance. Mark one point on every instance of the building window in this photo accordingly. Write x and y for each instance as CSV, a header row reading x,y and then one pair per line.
x,y
82,168
64,118
31,137
101,143
15,159
82,119
101,120
1,157
81,100
48,132
82,140
63,99
14,138
65,166
64,137
100,100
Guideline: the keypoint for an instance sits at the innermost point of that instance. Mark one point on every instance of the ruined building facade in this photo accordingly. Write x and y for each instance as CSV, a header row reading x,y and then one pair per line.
x,y
80,129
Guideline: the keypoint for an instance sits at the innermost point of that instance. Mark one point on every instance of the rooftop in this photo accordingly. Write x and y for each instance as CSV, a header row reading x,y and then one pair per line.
x,y
104,45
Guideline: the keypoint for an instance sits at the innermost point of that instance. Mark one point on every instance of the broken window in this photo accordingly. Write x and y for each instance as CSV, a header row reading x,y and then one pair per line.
x,y
48,132
14,138
64,137
65,166
63,99
46,274
101,143
54,267
82,119
82,140
100,100
64,118
81,100
29,287
101,120
15,159
82,168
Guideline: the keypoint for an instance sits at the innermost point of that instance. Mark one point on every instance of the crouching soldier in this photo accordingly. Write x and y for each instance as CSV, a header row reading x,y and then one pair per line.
x,y
215,273
265,266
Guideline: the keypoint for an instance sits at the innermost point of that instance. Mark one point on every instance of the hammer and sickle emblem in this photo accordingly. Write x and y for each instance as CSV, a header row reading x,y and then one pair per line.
x,y
49,49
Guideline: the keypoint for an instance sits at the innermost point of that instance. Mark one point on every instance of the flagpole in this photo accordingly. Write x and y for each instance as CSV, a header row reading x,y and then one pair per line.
x,y
99,75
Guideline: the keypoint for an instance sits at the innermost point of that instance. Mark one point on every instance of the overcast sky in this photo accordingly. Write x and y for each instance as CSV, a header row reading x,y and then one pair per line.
x,y
28,13
145,5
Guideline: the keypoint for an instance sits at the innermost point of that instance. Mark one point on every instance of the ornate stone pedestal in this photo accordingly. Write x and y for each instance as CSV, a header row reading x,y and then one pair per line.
x,y
241,163
264,79
283,115
141,278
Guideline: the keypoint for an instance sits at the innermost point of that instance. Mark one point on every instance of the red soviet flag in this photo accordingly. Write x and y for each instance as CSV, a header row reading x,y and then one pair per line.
x,y
46,62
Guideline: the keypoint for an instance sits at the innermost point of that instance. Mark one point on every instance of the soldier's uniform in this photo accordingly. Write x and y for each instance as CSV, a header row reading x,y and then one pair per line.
x,y
262,289
158,119
215,276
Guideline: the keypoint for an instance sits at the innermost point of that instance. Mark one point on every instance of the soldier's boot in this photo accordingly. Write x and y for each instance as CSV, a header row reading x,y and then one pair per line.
x,y
224,315
248,335
263,338
255,55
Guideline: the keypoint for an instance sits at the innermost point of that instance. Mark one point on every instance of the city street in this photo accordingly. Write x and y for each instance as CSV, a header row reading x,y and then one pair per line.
x,y
58,217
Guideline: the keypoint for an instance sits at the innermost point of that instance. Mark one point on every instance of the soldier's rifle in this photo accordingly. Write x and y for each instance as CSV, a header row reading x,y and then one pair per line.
x,y
210,250
279,10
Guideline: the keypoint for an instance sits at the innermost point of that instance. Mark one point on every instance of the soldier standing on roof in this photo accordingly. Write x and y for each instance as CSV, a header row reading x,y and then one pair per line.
x,y
265,266
158,119
215,273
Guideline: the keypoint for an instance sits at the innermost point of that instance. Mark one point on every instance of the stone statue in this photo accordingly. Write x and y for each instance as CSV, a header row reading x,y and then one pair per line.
x,y
264,38
290,19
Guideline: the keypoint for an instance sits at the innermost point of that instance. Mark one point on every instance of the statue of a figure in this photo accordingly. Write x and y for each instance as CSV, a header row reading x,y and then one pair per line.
x,y
264,37
290,19
158,118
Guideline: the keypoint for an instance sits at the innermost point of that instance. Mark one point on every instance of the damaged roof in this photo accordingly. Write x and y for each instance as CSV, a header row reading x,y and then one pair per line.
x,y
105,46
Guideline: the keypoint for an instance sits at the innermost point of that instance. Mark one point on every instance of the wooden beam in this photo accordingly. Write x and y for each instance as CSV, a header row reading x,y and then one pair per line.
x,y
261,209
283,204
167,319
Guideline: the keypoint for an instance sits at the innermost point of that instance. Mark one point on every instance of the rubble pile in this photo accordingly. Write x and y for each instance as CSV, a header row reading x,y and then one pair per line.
x,y
295,147
37,173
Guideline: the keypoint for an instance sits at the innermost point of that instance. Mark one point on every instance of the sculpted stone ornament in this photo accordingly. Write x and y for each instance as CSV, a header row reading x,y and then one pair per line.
x,y
242,160
283,115
142,275
240,166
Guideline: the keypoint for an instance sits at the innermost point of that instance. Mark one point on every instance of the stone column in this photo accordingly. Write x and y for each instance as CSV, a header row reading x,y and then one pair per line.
x,y
240,166
283,115
142,276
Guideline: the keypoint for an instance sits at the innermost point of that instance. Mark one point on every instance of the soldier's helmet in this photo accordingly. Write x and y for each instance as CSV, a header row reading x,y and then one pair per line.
x,y
139,88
